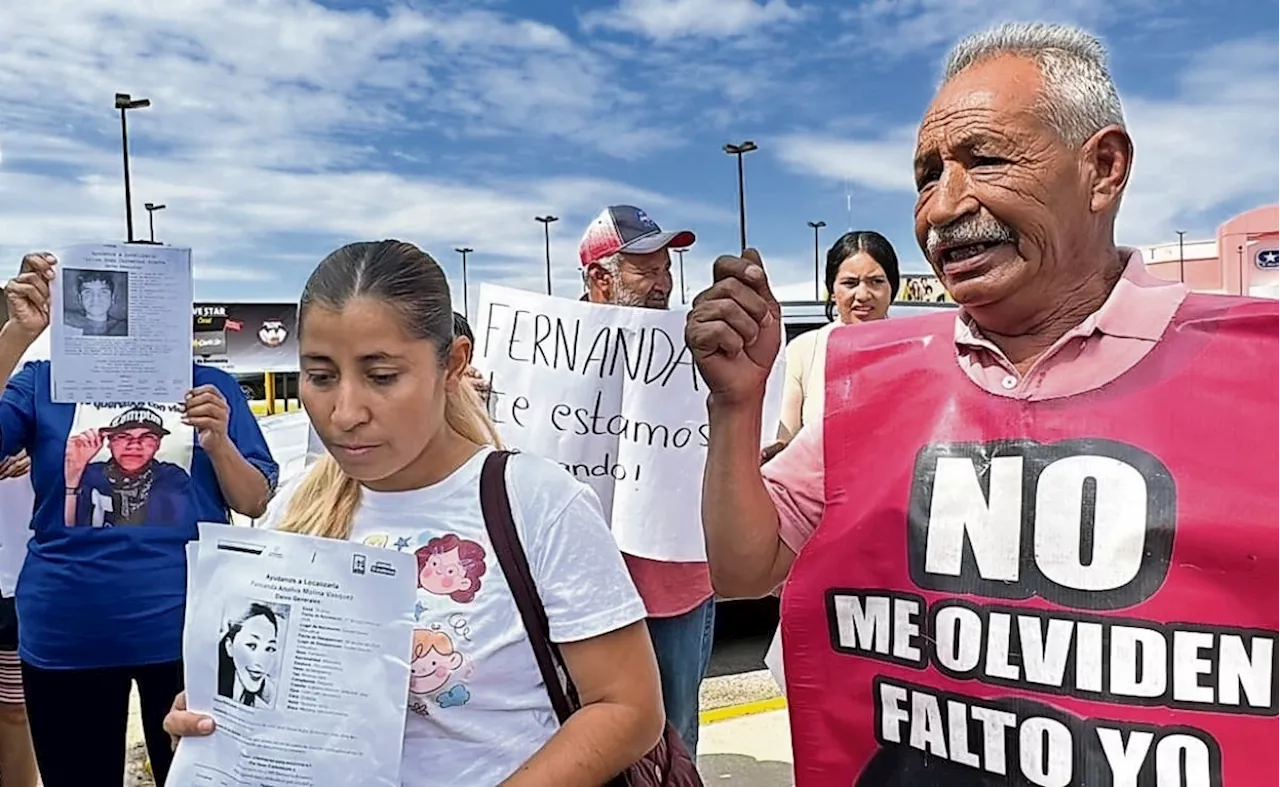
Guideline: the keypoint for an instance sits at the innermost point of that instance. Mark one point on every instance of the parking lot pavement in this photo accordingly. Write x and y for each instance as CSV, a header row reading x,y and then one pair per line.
x,y
748,751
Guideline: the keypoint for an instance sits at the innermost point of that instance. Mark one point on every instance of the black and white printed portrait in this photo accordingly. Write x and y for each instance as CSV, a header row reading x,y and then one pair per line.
x,y
249,652
95,303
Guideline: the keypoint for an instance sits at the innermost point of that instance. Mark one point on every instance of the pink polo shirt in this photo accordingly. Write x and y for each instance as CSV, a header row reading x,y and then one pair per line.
x,y
1106,345
669,589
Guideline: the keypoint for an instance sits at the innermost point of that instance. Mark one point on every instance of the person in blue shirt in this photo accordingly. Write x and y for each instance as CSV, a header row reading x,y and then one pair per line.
x,y
119,488
132,487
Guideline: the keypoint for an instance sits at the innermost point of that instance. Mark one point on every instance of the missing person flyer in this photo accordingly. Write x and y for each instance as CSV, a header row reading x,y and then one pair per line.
x,y
298,647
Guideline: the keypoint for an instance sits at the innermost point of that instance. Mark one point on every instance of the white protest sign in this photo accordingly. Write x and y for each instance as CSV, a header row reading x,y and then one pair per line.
x,y
611,393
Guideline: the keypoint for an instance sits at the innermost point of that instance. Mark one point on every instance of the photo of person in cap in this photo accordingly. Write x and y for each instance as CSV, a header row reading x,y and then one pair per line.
x,y
133,486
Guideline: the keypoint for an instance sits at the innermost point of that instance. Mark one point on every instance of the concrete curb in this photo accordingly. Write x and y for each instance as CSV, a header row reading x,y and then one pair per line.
x,y
728,712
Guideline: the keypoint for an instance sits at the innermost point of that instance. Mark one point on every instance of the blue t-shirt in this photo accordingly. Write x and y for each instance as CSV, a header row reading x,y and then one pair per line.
x,y
104,583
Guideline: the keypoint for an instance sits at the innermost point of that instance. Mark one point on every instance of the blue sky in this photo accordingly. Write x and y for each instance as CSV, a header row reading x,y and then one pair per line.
x,y
283,128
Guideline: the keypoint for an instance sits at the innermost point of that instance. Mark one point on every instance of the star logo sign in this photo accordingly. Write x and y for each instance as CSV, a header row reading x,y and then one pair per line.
x,y
1268,259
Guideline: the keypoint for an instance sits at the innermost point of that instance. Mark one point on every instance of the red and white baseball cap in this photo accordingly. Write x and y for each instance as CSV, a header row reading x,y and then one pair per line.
x,y
623,228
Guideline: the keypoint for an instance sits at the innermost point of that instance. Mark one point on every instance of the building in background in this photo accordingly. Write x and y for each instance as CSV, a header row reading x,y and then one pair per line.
x,y
922,288
1244,258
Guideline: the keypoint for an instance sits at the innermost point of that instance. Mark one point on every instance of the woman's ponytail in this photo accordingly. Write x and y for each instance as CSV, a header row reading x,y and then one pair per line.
x,y
324,504
466,415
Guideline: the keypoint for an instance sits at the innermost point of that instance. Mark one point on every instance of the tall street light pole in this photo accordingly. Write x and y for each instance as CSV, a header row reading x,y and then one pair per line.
x,y
151,217
464,251
124,103
680,253
817,266
739,150
1240,269
546,232
1182,262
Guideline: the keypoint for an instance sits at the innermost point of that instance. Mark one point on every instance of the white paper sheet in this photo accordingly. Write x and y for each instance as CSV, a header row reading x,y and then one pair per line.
x,y
121,324
773,660
299,648
612,394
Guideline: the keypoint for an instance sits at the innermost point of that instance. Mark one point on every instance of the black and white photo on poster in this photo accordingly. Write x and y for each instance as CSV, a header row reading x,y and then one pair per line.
x,y
95,302
128,463
250,643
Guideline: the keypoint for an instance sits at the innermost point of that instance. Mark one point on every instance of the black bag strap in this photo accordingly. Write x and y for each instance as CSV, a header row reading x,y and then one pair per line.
x,y
495,505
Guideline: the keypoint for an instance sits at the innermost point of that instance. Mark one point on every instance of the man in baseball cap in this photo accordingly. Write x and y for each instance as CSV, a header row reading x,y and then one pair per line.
x,y
626,258
626,261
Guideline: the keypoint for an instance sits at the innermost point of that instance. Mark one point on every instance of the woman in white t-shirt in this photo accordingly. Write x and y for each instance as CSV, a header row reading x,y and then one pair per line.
x,y
383,382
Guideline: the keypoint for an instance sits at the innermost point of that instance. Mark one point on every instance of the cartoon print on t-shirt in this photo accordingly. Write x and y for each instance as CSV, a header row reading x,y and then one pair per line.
x,y
128,464
451,566
449,572
437,671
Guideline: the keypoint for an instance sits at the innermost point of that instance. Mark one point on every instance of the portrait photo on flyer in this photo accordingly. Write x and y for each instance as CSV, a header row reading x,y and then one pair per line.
x,y
295,644
251,639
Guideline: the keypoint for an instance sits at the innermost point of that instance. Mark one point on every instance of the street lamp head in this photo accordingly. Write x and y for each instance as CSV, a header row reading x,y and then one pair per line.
x,y
464,250
737,150
817,224
546,219
126,101
151,206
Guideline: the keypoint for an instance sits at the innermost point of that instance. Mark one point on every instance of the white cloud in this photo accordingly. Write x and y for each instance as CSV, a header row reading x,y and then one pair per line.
x,y
277,128
203,272
904,28
1209,149
882,163
1206,150
231,217
673,19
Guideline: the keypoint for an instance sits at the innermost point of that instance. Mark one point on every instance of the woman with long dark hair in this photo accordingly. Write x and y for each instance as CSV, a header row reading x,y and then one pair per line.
x,y
862,280
383,382
248,653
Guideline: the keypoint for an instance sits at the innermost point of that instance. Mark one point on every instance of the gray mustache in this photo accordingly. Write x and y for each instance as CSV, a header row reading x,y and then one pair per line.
x,y
964,234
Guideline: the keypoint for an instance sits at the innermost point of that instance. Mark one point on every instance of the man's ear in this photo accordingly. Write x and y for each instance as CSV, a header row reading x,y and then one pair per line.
x,y
459,360
598,277
1108,160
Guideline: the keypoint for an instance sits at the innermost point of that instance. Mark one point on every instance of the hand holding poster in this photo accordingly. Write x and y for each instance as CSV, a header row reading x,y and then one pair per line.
x,y
612,394
298,647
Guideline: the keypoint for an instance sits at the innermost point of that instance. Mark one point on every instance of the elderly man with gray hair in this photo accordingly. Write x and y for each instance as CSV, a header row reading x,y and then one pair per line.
x,y
1034,542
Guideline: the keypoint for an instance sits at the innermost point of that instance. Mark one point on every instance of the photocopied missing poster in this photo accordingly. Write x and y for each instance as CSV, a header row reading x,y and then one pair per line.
x,y
299,648
120,324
